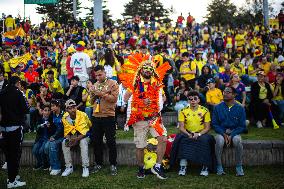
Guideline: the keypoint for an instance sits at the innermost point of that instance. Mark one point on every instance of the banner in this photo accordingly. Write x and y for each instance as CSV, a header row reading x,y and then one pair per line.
x,y
40,1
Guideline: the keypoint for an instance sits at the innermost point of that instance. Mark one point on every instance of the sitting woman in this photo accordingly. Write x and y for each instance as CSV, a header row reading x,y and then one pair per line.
x,y
201,82
86,97
240,89
278,95
261,96
194,144
181,95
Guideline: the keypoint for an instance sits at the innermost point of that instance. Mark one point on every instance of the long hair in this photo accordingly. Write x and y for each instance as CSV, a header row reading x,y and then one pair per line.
x,y
109,57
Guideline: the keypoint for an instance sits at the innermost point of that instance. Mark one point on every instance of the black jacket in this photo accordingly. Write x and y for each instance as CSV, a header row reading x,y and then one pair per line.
x,y
14,107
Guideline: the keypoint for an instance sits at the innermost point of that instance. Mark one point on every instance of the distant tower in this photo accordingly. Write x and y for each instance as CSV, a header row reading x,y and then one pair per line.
x,y
265,13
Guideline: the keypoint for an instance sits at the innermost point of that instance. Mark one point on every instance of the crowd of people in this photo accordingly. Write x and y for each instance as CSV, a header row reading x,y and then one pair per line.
x,y
65,82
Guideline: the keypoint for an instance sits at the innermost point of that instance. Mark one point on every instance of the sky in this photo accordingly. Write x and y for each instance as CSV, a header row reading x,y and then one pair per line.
x,y
197,8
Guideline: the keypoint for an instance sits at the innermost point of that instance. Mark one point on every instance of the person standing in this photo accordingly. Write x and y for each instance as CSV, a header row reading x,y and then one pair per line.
x,y
14,108
229,121
146,98
104,95
81,64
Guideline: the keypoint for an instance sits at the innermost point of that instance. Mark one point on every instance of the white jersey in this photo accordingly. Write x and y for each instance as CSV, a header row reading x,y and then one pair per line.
x,y
80,62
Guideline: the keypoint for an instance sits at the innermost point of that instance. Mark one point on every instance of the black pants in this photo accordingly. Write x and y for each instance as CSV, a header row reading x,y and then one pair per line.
x,y
104,126
13,150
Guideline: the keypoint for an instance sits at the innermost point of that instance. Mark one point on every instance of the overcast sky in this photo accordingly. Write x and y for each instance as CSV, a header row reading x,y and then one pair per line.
x,y
197,8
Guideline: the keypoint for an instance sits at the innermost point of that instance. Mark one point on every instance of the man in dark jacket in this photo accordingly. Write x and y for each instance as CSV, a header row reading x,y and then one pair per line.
x,y
14,108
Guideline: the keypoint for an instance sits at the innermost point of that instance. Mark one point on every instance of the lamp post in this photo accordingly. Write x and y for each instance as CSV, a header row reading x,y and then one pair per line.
x,y
265,13
98,14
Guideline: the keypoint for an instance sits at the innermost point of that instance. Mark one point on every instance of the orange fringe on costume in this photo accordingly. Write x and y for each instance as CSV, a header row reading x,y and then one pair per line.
x,y
130,78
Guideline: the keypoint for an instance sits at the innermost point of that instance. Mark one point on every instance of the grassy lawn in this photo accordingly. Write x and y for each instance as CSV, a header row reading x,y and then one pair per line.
x,y
253,134
271,177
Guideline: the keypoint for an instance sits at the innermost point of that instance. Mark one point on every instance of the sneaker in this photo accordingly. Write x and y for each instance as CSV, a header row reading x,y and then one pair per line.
x,y
37,167
239,171
55,172
159,172
15,184
204,171
182,171
220,170
113,170
259,124
17,178
141,173
85,172
46,168
4,166
97,168
67,171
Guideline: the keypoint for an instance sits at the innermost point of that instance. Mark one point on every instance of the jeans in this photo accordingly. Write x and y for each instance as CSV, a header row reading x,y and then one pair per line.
x,y
280,104
63,81
52,150
237,143
89,111
38,151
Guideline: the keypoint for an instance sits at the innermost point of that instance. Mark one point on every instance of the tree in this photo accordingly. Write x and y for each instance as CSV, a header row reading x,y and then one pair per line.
x,y
61,12
106,12
221,12
146,7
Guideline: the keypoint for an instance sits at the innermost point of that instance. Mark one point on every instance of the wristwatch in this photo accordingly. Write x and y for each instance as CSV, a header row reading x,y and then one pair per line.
x,y
199,134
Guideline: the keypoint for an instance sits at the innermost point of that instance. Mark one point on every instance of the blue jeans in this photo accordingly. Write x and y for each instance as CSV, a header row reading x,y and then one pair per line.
x,y
63,81
280,104
39,152
52,150
89,111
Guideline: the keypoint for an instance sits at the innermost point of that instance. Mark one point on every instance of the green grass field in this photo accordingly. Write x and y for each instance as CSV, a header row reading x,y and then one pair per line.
x,y
268,177
253,134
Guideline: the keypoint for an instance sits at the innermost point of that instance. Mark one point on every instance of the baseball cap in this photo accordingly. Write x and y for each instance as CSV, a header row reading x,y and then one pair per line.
x,y
70,103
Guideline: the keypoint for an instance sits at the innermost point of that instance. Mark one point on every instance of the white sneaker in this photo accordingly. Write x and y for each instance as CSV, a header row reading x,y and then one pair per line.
x,y
67,171
4,166
55,172
85,172
247,122
182,171
15,184
259,124
204,172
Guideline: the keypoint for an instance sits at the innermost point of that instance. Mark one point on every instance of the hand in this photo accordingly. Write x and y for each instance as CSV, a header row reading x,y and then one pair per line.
x,y
229,141
51,139
71,87
190,135
195,136
122,108
266,101
73,142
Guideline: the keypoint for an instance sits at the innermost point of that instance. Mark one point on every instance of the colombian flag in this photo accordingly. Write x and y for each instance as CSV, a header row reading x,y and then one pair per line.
x,y
14,37
23,61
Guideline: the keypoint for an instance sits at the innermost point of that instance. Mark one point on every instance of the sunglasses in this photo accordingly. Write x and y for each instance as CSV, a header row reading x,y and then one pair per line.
x,y
194,98
228,91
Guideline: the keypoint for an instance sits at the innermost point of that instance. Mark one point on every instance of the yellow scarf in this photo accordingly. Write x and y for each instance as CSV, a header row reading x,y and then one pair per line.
x,y
82,123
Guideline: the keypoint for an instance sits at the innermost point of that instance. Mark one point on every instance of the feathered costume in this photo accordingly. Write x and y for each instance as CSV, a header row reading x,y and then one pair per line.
x,y
131,78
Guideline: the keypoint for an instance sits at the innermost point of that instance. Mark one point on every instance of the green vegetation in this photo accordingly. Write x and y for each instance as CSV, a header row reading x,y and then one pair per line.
x,y
253,134
255,178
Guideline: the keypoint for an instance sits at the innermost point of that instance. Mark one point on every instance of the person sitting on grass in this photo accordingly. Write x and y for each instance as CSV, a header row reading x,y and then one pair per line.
x,y
214,95
229,121
44,131
76,125
194,144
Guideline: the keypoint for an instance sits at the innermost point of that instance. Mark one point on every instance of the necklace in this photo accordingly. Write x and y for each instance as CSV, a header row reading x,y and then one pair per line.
x,y
102,85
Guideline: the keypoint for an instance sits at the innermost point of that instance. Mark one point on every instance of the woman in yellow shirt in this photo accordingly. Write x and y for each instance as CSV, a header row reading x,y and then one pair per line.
x,y
278,95
86,97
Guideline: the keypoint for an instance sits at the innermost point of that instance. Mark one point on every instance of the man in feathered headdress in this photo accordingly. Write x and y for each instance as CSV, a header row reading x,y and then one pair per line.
x,y
144,83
